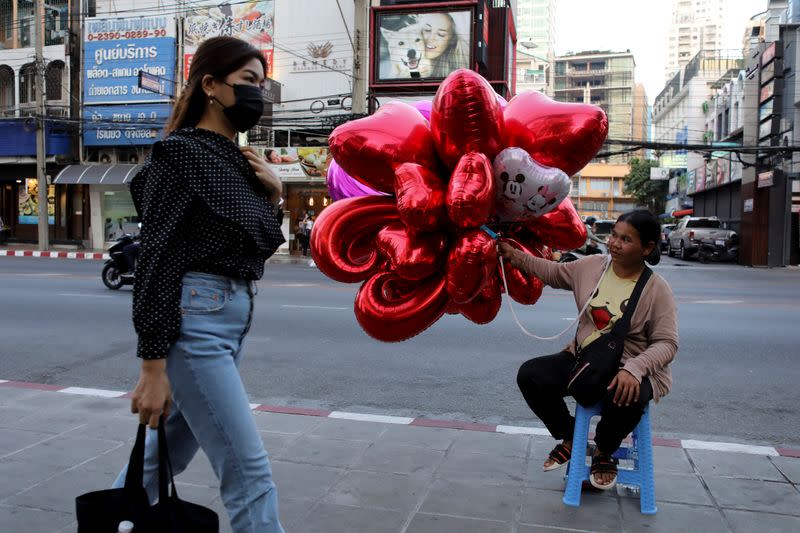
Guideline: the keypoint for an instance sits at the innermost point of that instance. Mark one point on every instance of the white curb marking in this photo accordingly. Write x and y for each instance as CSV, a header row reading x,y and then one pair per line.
x,y
372,418
315,307
729,447
3,381
100,393
254,405
72,255
519,430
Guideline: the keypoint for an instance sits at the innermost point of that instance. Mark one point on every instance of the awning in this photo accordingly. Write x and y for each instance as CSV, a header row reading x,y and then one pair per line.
x,y
682,213
97,174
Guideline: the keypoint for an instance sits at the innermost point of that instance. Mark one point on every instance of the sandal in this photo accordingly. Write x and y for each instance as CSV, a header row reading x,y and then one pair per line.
x,y
560,455
603,464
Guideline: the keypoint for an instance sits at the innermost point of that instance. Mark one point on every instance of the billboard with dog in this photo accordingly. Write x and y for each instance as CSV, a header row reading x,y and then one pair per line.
x,y
422,46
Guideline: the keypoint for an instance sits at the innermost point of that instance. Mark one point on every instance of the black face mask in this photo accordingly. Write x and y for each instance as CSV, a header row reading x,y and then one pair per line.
x,y
247,109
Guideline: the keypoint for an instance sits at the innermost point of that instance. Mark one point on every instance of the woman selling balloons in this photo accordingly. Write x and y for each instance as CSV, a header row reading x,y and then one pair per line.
x,y
419,248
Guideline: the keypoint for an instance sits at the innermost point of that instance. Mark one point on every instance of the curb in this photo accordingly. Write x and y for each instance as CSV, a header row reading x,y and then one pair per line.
x,y
282,259
688,444
54,255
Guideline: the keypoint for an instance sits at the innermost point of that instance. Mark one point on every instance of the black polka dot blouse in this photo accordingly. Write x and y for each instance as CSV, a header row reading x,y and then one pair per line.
x,y
202,209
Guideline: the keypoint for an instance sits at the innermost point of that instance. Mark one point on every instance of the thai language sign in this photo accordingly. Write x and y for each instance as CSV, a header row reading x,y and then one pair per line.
x,y
251,21
115,50
121,125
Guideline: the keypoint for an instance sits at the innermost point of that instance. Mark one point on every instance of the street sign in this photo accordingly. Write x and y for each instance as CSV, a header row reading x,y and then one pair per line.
x,y
659,173
153,83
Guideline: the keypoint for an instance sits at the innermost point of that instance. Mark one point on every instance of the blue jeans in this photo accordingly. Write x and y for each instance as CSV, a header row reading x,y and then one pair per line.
x,y
210,406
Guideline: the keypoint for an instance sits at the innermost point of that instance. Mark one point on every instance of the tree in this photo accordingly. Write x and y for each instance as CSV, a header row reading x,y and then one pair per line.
x,y
649,193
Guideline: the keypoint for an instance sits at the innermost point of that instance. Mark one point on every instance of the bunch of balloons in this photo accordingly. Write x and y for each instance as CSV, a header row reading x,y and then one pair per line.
x,y
415,184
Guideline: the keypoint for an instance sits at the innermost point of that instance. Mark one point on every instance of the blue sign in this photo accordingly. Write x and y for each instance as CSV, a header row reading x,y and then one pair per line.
x,y
124,125
115,50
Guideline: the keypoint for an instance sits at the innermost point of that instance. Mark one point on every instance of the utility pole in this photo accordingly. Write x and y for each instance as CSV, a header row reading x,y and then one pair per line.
x,y
361,57
44,230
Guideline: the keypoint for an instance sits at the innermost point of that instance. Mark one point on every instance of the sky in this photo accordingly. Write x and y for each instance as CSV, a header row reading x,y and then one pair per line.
x,y
639,25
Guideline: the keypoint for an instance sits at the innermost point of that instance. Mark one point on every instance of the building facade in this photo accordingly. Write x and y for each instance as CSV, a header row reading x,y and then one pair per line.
x,y
696,25
605,79
19,207
679,117
536,39
598,190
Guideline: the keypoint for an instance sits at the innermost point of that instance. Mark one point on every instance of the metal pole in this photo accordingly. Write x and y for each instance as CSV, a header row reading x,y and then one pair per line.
x,y
44,230
361,57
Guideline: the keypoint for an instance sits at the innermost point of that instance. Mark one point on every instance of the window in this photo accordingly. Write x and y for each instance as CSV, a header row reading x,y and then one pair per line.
x,y
53,79
600,184
27,84
6,87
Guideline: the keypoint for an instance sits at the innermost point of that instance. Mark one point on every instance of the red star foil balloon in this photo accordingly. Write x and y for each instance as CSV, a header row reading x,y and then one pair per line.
x,y
420,253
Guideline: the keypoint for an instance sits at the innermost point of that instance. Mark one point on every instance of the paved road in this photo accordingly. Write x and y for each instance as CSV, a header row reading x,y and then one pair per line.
x,y
736,374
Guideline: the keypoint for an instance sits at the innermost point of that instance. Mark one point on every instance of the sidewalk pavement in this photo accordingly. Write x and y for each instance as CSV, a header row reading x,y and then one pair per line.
x,y
349,476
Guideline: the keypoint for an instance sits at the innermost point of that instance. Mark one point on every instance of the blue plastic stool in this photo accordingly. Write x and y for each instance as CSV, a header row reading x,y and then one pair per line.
x,y
640,452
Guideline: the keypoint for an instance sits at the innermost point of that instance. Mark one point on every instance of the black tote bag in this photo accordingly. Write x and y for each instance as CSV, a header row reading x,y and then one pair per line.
x,y
102,511
598,362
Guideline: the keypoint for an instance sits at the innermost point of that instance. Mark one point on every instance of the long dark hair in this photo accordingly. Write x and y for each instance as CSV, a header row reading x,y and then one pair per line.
x,y
646,224
218,56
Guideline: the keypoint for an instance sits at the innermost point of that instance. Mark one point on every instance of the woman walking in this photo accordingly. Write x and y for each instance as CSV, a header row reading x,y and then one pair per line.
x,y
649,347
211,218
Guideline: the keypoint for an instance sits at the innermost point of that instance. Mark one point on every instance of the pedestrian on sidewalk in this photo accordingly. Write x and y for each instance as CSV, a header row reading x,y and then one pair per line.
x,y
211,218
649,347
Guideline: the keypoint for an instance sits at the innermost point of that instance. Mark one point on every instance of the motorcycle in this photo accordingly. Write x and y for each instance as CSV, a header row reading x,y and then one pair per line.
x,y
715,250
118,271
583,251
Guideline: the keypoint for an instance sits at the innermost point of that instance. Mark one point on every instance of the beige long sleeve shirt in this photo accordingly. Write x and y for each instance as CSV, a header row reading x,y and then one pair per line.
x,y
652,341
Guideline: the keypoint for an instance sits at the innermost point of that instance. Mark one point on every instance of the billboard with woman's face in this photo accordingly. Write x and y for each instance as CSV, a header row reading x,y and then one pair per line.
x,y
420,46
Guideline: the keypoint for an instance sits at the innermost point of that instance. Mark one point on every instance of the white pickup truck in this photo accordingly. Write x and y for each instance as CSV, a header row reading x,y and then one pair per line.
x,y
685,239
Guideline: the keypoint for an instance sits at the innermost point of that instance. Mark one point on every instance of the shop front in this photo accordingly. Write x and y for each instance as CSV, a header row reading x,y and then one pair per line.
x,y
68,208
303,171
112,211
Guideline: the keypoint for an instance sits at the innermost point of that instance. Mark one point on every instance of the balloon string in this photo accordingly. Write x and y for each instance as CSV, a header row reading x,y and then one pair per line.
x,y
516,318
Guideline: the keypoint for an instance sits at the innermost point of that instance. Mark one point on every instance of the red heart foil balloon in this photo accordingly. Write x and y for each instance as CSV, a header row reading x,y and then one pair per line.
x,y
343,237
420,197
556,134
471,262
484,307
471,191
522,288
412,256
392,309
561,229
370,148
466,117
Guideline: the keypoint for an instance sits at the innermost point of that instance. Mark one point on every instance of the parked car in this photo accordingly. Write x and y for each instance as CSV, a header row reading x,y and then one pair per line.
x,y
685,239
603,228
666,229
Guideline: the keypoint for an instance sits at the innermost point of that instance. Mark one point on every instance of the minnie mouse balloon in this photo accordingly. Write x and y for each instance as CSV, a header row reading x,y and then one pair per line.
x,y
524,188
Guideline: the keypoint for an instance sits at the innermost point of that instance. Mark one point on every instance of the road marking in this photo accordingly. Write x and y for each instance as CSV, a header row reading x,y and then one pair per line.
x,y
567,318
315,307
402,420
74,294
520,430
293,284
729,447
716,302
100,393
254,405
3,381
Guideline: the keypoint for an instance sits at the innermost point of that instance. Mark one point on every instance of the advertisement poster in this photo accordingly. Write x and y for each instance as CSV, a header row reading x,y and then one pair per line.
x,y
301,164
422,45
115,50
253,22
736,170
723,171
124,125
691,179
700,179
711,174
29,203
